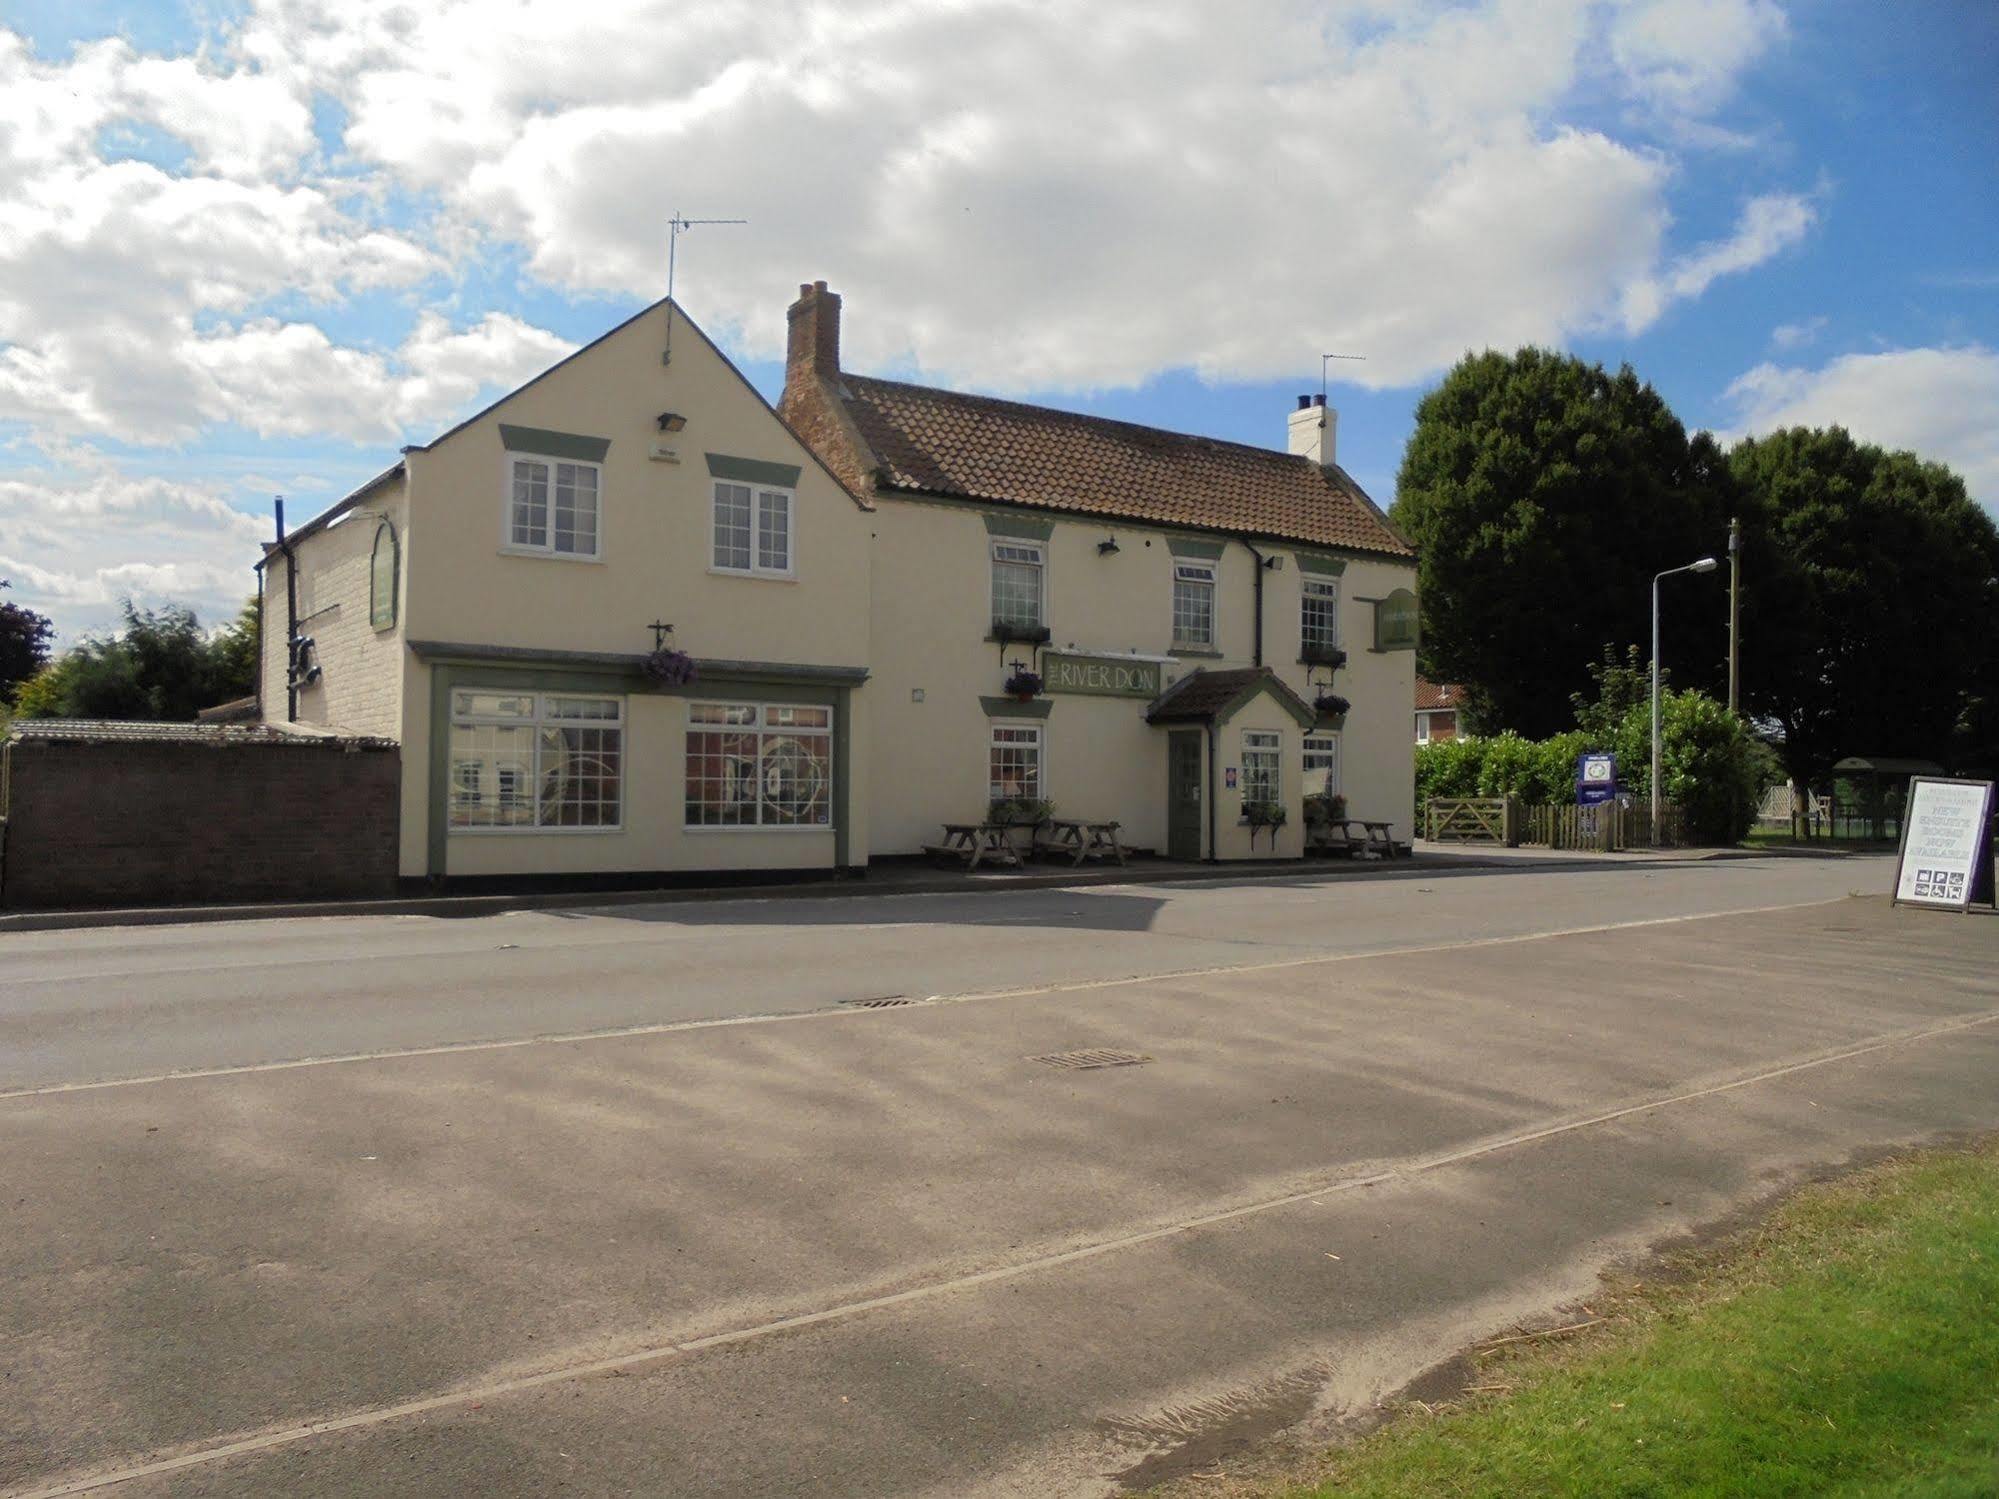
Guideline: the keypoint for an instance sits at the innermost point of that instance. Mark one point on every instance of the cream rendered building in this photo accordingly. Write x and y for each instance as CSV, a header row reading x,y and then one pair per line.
x,y
854,581
490,599
1184,599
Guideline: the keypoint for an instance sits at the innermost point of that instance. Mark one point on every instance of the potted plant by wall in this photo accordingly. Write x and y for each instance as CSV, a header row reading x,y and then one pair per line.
x,y
1332,710
1023,684
1019,811
1262,814
669,668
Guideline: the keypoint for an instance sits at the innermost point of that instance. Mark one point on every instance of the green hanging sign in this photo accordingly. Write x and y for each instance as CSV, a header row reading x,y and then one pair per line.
x,y
1395,624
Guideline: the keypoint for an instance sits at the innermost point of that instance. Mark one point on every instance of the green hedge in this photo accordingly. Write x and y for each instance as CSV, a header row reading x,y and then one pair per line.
x,y
1715,769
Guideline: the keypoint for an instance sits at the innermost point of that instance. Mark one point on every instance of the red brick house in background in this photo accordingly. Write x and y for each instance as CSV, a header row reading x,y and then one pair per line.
x,y
1436,710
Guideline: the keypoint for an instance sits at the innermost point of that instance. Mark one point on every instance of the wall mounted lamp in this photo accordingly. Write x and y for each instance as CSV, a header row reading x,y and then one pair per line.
x,y
1108,547
671,421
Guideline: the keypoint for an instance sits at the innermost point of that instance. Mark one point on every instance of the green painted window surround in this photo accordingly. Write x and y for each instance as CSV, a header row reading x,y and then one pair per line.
x,y
1187,546
546,444
999,523
1323,566
752,471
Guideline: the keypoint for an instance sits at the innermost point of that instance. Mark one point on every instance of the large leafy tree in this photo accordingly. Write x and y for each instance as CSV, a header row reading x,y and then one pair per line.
x,y
161,665
1543,493
1871,582
25,637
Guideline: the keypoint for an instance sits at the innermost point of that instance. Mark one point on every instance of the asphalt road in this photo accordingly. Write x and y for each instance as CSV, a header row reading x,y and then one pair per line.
x,y
632,1202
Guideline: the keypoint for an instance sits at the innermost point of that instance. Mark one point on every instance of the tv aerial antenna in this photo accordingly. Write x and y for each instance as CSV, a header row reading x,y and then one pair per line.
x,y
1325,360
678,225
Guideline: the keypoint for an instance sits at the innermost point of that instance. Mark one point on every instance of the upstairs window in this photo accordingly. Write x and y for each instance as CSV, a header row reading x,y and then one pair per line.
x,y
1018,568
752,530
554,507
1319,624
1194,604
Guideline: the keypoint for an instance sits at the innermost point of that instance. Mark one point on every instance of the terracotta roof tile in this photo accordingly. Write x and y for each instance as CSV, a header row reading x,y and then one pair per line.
x,y
978,448
1437,695
1200,695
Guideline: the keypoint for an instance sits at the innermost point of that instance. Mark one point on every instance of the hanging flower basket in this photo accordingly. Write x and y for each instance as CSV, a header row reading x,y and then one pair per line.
x,y
669,668
1332,710
1023,684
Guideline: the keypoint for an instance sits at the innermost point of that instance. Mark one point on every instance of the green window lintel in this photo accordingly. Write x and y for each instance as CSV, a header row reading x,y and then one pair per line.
x,y
1013,707
753,471
1187,546
1000,523
1320,564
546,444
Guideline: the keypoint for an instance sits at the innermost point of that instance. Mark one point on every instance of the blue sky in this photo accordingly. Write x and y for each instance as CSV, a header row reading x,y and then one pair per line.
x,y
260,245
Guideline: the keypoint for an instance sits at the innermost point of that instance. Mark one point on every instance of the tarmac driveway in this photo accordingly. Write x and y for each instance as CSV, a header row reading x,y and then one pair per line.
x,y
897,1251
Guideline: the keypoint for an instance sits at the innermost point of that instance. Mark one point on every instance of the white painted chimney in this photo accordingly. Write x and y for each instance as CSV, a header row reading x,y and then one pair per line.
x,y
1314,427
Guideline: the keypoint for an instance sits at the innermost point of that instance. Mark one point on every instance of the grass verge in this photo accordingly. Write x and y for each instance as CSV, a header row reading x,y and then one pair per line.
x,y
1847,1346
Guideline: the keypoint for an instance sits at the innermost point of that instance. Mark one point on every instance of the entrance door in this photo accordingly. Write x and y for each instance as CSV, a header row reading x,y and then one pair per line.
x,y
1183,794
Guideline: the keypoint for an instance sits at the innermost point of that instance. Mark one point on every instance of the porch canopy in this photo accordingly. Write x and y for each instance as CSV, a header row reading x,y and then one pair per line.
x,y
1217,696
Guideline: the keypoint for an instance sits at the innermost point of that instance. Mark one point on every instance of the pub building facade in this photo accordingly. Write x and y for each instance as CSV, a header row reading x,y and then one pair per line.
x,y
632,621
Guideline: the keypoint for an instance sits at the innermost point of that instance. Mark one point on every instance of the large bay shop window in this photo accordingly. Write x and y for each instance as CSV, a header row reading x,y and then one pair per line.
x,y
1013,763
1260,775
759,765
536,761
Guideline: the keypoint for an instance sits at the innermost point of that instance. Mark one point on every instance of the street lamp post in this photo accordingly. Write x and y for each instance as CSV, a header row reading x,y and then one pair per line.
x,y
1704,565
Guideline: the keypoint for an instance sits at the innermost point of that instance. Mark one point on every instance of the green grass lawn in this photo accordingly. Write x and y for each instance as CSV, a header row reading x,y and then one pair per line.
x,y
1782,838
1849,1346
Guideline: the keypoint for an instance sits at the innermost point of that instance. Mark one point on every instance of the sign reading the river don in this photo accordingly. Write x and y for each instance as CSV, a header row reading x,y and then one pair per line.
x,y
1395,622
1946,852
1106,676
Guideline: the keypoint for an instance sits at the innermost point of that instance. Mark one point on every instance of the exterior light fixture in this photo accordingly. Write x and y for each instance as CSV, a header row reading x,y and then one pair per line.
x,y
671,421
1108,547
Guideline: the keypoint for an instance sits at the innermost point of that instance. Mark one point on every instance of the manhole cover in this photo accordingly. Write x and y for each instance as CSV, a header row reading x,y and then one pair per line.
x,y
879,1002
1083,1061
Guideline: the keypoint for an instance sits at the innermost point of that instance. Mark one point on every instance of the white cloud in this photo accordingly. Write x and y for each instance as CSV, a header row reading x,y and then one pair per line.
x,y
73,543
1942,404
1684,58
1767,227
1788,337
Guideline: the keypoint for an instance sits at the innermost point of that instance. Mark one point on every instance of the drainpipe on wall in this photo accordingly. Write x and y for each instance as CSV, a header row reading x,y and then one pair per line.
x,y
1256,657
291,618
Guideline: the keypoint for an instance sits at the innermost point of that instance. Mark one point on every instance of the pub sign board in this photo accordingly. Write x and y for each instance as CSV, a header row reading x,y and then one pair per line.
x,y
1596,779
1395,627
1104,676
1946,854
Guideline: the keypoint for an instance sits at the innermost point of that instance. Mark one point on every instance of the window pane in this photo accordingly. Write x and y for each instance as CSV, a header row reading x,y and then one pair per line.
x,y
721,713
1322,764
732,526
797,780
1259,767
1193,605
483,757
581,772
774,531
798,718
491,705
721,778
1014,764
582,707
575,509
1017,584
1319,624
530,509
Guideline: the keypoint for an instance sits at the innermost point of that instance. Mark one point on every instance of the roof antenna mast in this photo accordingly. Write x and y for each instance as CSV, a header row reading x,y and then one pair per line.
x,y
1324,360
676,226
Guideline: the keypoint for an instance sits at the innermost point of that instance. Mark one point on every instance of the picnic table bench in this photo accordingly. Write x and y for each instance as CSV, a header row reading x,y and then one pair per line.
x,y
1375,840
975,843
1075,840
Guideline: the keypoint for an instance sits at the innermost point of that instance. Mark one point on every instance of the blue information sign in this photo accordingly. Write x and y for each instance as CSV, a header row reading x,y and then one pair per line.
x,y
1596,779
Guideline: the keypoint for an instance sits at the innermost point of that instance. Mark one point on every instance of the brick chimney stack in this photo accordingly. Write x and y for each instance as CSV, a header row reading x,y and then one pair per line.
x,y
814,347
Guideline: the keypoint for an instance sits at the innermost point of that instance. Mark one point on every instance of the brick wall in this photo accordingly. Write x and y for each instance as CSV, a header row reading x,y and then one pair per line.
x,y
167,823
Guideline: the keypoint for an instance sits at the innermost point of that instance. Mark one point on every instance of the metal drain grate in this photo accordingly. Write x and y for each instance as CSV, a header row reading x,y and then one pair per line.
x,y
1083,1061
879,1002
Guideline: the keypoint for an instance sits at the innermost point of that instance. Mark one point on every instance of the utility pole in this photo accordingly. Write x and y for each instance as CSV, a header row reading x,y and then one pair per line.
x,y
1734,612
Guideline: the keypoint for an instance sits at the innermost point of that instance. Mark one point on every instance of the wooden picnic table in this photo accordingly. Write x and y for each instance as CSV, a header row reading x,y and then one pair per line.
x,y
1376,839
974,843
1075,840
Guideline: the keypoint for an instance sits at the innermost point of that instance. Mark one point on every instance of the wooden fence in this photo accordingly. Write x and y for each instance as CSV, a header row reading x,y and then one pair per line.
x,y
1507,820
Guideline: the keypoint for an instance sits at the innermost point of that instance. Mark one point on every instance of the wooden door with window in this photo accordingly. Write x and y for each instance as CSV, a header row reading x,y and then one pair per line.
x,y
1183,794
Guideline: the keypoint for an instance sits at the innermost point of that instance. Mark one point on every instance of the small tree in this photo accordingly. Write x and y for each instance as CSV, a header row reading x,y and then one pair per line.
x,y
25,637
